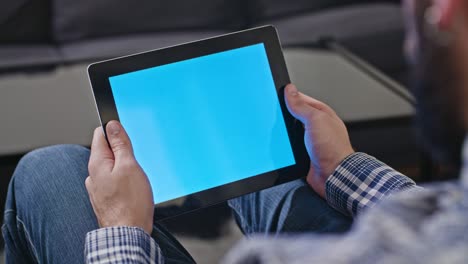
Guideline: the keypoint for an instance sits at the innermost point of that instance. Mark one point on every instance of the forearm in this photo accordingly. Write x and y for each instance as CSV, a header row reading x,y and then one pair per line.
x,y
121,245
361,181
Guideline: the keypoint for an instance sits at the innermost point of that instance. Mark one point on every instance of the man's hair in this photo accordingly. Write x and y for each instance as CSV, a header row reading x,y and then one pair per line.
x,y
436,87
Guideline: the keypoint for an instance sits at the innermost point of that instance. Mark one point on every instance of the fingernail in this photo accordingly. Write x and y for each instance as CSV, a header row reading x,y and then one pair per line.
x,y
113,128
293,90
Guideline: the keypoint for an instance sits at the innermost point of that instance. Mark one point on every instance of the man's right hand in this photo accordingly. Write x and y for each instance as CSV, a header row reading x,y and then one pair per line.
x,y
326,137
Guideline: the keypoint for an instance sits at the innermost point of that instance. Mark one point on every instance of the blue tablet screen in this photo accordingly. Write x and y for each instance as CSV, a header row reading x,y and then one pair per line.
x,y
204,122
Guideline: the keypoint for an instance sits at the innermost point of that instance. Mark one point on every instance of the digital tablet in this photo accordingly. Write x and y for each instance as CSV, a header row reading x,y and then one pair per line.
x,y
207,119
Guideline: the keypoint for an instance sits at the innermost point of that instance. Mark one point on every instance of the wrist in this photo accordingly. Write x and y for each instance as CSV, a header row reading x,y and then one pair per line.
x,y
317,177
317,183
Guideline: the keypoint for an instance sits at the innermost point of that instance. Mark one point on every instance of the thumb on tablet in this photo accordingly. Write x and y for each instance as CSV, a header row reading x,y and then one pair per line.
x,y
298,105
119,141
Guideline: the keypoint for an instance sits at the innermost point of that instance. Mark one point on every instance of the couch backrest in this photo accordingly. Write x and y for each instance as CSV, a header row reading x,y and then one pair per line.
x,y
78,19
265,10
41,21
24,21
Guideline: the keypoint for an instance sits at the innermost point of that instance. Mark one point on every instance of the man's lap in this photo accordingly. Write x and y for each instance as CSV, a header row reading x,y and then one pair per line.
x,y
49,213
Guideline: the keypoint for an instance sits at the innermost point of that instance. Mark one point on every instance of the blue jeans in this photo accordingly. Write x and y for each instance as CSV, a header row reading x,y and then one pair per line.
x,y
48,212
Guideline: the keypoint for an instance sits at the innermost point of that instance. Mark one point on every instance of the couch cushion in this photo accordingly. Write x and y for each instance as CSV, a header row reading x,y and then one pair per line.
x,y
76,20
268,9
25,21
105,48
351,27
27,56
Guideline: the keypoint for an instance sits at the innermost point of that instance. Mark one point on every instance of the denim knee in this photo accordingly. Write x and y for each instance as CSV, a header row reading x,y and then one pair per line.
x,y
49,171
45,196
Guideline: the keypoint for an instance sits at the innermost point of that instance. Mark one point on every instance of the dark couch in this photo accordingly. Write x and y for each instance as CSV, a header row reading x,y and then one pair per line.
x,y
40,33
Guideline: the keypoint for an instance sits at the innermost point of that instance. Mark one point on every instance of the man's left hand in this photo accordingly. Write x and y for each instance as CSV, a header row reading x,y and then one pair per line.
x,y
118,188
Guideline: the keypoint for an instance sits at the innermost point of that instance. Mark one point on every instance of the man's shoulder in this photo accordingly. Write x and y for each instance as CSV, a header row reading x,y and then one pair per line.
x,y
421,210
433,197
421,225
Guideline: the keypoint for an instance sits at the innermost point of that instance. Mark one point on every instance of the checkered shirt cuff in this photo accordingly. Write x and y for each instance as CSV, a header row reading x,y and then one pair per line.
x,y
121,244
360,181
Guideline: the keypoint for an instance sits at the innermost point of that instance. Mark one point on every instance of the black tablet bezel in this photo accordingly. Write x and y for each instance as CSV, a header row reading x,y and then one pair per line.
x,y
100,72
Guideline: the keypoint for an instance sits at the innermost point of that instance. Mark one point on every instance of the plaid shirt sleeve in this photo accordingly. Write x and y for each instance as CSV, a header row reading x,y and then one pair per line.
x,y
121,244
360,181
